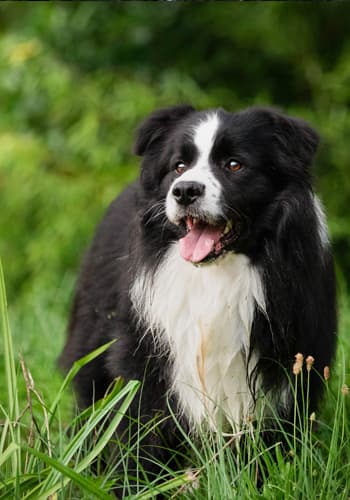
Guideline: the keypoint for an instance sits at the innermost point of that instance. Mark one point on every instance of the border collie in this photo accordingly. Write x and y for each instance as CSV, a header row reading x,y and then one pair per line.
x,y
211,272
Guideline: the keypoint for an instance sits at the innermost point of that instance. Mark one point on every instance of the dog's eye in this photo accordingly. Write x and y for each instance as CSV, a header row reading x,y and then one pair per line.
x,y
180,167
233,165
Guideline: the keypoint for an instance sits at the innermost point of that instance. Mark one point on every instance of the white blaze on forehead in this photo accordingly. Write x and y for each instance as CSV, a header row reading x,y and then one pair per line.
x,y
204,135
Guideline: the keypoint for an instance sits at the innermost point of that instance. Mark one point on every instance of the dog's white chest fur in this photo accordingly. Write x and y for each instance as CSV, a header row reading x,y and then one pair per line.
x,y
204,316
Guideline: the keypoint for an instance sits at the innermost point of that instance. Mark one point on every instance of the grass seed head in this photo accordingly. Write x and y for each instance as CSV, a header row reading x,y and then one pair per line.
x,y
345,390
309,362
326,373
298,365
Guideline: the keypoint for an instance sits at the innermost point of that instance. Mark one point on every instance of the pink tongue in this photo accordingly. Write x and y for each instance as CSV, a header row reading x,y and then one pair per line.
x,y
199,242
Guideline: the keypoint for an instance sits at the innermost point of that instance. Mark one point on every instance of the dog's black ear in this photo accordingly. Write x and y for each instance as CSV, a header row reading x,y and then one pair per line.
x,y
296,140
157,125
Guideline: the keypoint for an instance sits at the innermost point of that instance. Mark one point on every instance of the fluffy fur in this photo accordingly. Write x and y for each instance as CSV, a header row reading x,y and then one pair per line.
x,y
211,271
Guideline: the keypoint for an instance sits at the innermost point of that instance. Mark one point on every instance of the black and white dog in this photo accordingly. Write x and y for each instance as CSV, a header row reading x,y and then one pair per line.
x,y
211,272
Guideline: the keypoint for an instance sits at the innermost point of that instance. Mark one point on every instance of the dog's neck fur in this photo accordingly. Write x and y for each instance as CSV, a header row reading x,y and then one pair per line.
x,y
203,316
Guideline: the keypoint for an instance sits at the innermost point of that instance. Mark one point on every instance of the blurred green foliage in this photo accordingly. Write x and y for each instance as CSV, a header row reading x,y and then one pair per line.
x,y
77,78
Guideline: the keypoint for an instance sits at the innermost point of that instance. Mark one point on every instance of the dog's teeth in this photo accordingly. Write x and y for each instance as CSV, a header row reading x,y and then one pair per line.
x,y
189,223
228,227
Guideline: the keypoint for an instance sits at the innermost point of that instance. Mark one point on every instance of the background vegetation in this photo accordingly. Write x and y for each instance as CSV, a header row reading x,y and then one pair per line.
x,y
77,78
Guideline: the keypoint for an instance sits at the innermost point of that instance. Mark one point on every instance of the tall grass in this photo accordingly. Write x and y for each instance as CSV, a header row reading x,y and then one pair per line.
x,y
33,467
46,454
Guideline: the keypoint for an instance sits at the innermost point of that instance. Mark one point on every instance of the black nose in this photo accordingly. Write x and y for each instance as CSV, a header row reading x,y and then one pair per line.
x,y
186,192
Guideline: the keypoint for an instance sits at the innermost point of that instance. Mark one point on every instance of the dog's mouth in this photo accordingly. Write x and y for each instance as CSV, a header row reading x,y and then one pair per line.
x,y
205,242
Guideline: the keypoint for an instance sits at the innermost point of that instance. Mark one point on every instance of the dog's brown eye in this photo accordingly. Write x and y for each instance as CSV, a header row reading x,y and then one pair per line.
x,y
233,165
180,167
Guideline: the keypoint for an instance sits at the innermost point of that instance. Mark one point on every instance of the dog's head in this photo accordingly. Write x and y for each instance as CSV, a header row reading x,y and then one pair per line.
x,y
219,173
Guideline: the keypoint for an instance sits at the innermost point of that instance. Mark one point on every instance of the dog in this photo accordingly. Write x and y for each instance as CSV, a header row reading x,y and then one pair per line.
x,y
211,272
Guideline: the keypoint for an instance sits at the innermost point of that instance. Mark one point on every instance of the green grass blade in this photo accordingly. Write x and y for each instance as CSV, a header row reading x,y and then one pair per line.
x,y
5,431
95,419
171,484
103,441
69,474
27,481
10,375
8,452
68,379
117,394
72,373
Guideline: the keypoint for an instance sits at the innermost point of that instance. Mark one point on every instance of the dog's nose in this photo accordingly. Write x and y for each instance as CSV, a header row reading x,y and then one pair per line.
x,y
186,192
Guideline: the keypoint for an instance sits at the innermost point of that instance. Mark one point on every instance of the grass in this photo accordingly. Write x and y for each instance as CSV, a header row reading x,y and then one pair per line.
x,y
46,453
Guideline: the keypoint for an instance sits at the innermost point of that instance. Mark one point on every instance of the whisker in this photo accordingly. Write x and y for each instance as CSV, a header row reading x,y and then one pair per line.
x,y
156,215
155,205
